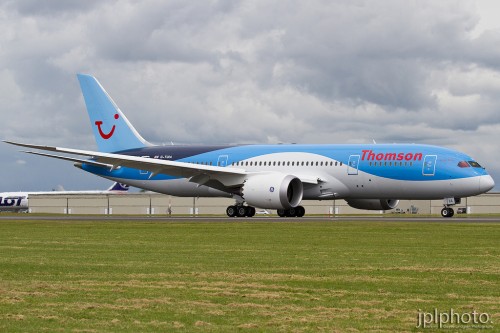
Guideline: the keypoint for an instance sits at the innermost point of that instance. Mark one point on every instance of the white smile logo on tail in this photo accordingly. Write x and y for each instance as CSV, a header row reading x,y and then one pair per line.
x,y
103,135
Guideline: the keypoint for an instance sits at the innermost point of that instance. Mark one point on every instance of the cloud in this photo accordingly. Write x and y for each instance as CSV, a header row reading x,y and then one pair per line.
x,y
254,72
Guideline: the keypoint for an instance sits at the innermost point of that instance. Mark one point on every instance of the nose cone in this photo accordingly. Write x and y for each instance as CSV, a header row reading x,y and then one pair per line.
x,y
486,183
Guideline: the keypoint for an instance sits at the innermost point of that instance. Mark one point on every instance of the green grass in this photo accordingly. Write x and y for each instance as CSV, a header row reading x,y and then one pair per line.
x,y
250,277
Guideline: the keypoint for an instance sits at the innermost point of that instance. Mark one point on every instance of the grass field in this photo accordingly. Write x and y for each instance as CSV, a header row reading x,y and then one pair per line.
x,y
250,277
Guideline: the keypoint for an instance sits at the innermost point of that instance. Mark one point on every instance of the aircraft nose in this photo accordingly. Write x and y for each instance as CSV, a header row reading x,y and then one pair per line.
x,y
486,183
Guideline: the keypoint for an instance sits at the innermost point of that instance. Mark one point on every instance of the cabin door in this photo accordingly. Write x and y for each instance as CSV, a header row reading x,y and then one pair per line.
x,y
352,168
429,167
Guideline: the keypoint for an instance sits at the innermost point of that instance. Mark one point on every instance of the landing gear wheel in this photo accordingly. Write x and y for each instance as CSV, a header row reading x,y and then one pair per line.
x,y
231,211
250,211
292,212
447,212
241,211
281,212
300,211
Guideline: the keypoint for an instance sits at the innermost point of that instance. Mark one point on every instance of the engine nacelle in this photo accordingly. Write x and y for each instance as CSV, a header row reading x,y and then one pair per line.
x,y
373,204
273,191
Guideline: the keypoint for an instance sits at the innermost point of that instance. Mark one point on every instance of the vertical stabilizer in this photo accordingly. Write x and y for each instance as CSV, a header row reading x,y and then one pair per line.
x,y
118,187
112,130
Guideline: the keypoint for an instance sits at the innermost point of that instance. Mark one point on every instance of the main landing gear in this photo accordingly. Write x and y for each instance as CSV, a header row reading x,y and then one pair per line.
x,y
240,211
298,211
249,211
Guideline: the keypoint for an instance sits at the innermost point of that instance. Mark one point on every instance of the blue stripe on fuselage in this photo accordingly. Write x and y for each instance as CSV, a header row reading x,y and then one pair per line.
x,y
394,161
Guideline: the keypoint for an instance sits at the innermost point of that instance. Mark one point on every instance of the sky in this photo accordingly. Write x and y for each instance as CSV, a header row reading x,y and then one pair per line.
x,y
217,72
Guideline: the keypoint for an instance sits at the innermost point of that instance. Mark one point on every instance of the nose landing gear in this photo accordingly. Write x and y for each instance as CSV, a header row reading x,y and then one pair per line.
x,y
447,211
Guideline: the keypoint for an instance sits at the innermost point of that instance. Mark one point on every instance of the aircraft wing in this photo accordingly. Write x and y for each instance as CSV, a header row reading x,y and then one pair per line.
x,y
197,173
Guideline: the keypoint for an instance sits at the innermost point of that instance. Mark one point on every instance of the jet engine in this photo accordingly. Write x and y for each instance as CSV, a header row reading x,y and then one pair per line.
x,y
373,204
273,191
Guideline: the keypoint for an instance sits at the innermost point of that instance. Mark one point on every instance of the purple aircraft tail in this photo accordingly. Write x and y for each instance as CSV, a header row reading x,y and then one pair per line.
x,y
118,187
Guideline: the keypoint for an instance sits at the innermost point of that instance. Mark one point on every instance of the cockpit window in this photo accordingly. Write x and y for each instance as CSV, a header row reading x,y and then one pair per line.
x,y
463,164
474,164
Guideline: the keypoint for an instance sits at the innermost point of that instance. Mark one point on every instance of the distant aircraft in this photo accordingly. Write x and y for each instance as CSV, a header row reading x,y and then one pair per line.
x,y
18,201
367,176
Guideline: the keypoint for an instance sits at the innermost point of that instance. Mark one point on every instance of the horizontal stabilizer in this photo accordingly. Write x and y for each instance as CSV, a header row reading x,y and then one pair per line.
x,y
67,158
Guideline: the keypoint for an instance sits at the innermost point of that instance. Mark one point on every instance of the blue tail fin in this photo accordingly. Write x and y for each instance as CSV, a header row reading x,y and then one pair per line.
x,y
112,130
118,187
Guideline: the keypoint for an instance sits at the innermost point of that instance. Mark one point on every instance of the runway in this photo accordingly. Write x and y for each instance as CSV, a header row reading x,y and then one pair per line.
x,y
259,219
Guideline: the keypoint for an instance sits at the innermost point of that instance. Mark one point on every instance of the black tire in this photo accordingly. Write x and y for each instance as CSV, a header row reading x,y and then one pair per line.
x,y
444,212
292,212
281,212
447,212
250,211
301,211
231,211
241,211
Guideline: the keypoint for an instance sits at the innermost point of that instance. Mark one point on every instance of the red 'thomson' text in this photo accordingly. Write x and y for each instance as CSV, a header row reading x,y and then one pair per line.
x,y
369,155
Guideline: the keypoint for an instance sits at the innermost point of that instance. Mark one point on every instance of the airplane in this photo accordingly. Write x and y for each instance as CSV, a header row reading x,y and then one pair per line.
x,y
280,176
19,201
